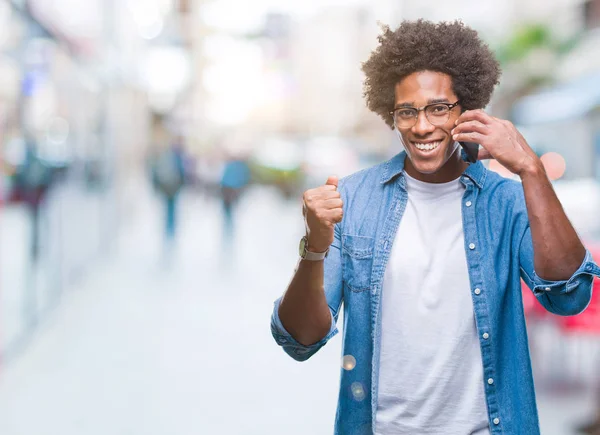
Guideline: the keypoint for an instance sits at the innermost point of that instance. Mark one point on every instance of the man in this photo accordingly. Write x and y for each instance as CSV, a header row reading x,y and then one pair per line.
x,y
168,176
430,252
235,178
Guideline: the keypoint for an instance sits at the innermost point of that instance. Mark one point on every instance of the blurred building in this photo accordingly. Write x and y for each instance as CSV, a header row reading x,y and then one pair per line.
x,y
75,86
563,116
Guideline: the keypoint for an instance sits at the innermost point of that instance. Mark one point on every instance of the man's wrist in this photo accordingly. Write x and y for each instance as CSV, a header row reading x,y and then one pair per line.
x,y
315,247
534,170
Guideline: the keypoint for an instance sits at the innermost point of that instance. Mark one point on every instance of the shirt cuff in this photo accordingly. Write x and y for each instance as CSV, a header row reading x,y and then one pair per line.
x,y
584,274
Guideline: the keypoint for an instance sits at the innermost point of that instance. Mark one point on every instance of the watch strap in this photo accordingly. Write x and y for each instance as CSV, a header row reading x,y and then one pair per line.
x,y
315,256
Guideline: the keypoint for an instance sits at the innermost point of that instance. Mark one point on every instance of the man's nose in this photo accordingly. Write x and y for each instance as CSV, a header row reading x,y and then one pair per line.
x,y
422,125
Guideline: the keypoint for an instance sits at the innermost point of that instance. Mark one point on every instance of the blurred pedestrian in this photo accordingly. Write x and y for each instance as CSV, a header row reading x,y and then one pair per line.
x,y
235,179
426,252
33,179
168,175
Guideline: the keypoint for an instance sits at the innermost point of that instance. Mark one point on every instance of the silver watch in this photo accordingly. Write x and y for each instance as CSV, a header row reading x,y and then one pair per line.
x,y
305,254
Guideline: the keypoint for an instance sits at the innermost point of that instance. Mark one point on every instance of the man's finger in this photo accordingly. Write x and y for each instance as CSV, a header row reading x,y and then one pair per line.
x,y
474,115
471,126
336,215
329,194
332,181
331,204
327,188
469,137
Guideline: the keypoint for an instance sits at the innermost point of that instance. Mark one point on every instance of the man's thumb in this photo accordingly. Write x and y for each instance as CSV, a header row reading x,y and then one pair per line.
x,y
332,181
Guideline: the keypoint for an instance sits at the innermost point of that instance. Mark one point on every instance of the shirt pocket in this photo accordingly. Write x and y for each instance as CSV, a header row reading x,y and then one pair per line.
x,y
357,257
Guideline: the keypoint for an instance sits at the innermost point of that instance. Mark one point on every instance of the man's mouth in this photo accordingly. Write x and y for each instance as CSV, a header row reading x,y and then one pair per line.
x,y
427,146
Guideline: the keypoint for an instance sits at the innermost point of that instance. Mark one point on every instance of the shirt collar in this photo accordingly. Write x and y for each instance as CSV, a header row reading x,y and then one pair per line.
x,y
394,167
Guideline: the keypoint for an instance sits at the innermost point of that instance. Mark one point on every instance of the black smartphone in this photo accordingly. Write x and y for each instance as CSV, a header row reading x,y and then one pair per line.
x,y
471,149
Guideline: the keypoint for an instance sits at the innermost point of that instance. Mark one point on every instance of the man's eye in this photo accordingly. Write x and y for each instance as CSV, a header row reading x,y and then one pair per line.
x,y
406,113
441,108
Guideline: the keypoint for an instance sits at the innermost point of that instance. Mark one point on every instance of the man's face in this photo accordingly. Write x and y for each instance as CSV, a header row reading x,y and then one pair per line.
x,y
429,147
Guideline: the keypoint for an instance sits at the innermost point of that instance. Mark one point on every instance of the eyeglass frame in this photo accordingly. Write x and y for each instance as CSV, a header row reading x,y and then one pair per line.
x,y
422,109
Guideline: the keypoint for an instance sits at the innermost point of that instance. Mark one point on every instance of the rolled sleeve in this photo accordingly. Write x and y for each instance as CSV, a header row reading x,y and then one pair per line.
x,y
584,276
292,347
568,297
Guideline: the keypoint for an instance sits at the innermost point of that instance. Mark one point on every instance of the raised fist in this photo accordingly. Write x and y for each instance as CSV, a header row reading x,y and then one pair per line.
x,y
322,210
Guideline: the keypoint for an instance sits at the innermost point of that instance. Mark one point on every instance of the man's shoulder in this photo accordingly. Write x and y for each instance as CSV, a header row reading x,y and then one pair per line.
x,y
369,176
503,190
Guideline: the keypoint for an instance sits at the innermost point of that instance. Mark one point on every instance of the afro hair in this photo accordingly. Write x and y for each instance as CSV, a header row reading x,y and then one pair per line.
x,y
446,47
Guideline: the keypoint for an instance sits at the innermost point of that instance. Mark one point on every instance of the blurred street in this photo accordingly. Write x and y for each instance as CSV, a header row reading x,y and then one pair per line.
x,y
152,345
140,347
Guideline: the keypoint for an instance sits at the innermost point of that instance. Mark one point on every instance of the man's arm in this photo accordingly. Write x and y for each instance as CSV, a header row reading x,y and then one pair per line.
x,y
303,310
304,318
558,251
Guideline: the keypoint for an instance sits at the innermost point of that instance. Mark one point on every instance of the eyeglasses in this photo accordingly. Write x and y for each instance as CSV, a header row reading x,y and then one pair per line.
x,y
437,114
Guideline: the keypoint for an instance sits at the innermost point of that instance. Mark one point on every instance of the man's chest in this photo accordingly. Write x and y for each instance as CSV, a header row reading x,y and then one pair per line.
x,y
429,240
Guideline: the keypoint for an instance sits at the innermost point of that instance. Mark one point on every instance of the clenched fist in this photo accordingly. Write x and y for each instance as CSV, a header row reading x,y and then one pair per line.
x,y
322,210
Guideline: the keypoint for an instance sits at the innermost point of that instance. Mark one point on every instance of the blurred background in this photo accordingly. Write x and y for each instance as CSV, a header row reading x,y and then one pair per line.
x,y
153,157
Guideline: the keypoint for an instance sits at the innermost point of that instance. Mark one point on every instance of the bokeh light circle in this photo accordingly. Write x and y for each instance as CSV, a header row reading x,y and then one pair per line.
x,y
554,164
358,391
498,168
348,362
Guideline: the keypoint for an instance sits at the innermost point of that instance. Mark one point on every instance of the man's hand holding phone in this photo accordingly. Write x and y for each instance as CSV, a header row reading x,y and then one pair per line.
x,y
499,138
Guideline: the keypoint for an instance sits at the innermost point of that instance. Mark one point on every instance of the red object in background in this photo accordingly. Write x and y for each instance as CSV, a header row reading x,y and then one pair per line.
x,y
531,305
587,322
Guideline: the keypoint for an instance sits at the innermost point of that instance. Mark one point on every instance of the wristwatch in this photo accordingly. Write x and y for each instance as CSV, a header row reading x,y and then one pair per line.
x,y
305,254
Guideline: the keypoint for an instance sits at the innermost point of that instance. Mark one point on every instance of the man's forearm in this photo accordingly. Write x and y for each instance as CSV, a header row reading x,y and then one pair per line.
x,y
558,251
304,311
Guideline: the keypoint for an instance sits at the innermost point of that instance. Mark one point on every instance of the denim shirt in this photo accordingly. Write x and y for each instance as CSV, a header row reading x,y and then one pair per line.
x,y
499,251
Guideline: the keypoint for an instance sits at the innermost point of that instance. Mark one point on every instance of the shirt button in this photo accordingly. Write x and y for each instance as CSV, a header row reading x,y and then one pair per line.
x,y
547,289
490,381
468,203
496,421
477,291
486,335
472,246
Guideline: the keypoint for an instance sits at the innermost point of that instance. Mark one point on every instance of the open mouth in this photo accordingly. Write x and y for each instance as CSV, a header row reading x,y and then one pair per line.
x,y
427,147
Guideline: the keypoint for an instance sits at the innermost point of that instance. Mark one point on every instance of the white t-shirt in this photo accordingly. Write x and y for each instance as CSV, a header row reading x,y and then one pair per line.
x,y
431,372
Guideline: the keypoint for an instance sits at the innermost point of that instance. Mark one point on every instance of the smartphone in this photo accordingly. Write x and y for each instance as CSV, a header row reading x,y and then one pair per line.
x,y
471,149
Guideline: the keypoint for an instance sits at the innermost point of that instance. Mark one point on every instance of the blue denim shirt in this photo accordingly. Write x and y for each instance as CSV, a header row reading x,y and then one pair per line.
x,y
499,253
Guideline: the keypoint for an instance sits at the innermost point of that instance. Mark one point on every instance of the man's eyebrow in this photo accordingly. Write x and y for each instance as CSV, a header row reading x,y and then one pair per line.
x,y
438,100
399,105
430,101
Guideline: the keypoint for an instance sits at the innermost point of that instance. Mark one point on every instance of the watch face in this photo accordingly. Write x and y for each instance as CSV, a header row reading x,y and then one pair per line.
x,y
303,247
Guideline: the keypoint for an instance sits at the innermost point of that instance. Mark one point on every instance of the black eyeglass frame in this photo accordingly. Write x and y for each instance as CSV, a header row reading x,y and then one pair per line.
x,y
424,108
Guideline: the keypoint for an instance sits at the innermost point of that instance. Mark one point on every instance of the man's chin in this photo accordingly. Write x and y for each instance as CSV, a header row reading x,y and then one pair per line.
x,y
430,164
426,166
